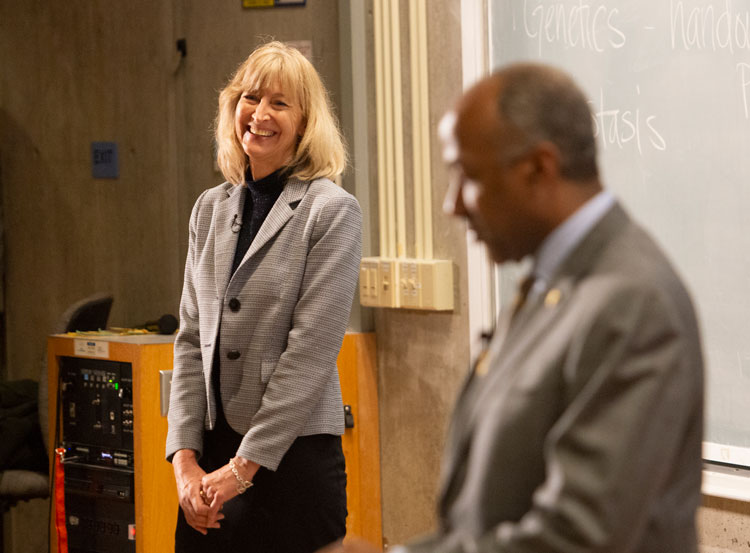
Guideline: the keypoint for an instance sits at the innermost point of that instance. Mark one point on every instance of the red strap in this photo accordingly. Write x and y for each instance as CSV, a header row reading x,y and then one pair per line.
x,y
62,530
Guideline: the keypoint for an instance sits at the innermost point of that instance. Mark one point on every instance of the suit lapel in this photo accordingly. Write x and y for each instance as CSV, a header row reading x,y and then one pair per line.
x,y
504,357
529,324
534,319
225,239
539,311
584,256
280,213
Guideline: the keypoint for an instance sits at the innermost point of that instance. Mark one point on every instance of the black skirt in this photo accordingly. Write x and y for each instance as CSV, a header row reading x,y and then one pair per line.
x,y
298,508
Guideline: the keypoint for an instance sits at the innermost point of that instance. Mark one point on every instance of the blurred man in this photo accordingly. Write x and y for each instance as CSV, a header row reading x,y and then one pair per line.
x,y
579,430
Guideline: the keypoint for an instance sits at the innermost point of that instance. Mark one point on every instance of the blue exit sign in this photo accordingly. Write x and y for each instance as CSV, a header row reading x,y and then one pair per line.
x,y
104,163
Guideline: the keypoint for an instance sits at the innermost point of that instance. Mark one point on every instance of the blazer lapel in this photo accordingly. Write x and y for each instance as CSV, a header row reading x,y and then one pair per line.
x,y
280,213
459,438
528,325
534,318
225,238
505,358
536,314
587,253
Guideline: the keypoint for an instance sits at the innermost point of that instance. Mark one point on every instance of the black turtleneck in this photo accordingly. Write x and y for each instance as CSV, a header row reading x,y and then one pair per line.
x,y
259,199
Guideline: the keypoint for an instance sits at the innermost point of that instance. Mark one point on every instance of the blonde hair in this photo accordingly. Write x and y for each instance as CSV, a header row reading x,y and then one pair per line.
x,y
320,151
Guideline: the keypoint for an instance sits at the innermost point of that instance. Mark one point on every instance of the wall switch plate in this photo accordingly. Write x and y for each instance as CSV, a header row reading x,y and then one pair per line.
x,y
388,282
436,281
368,282
406,283
410,288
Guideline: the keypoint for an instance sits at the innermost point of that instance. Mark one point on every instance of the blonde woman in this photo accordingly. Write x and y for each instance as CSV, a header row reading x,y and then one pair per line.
x,y
255,413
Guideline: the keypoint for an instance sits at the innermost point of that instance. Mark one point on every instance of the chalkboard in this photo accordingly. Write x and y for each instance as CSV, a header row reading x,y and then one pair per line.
x,y
669,86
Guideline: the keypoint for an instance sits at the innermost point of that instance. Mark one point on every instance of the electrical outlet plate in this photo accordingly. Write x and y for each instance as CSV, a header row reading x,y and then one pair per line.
x,y
410,287
406,283
388,282
368,282
436,283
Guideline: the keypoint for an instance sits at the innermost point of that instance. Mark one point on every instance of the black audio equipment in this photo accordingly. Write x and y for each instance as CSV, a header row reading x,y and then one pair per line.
x,y
97,403
99,509
97,435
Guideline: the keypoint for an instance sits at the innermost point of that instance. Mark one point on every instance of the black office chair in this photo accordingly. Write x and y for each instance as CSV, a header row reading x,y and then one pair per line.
x,y
90,313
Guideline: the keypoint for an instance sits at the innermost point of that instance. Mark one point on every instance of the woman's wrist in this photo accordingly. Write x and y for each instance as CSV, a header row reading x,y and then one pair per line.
x,y
242,485
245,468
184,456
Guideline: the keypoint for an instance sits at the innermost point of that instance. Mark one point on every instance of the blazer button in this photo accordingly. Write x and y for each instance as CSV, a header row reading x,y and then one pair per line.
x,y
234,304
233,354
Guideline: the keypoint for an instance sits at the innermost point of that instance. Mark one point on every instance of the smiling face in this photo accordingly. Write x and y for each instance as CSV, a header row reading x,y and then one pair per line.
x,y
268,123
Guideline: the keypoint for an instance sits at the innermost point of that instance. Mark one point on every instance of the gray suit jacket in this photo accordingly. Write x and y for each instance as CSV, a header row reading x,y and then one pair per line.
x,y
585,433
281,318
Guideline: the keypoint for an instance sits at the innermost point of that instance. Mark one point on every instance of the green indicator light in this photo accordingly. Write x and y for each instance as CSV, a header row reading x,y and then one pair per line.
x,y
117,385
110,381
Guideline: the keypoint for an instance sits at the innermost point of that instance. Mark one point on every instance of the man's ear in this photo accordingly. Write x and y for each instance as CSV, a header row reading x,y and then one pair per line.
x,y
545,161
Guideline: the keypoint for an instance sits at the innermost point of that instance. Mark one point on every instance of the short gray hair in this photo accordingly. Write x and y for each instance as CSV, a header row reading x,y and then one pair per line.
x,y
544,103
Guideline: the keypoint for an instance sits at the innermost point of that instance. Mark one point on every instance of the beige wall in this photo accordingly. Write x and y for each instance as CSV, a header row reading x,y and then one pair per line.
x,y
724,526
83,71
423,357
73,73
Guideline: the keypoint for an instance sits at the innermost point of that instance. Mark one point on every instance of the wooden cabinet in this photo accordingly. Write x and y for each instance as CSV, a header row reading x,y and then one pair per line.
x,y
361,444
155,493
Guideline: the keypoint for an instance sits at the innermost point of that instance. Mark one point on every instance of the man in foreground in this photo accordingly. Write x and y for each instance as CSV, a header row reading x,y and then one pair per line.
x,y
580,428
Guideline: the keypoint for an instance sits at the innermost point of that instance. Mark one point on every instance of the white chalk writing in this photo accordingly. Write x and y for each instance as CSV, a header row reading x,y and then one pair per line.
x,y
707,27
744,71
619,127
579,26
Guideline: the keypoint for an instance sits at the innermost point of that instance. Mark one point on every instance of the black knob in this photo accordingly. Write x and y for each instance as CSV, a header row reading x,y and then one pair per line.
x,y
233,354
348,417
234,304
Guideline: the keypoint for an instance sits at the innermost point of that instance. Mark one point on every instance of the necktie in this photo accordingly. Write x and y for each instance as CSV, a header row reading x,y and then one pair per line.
x,y
522,294
482,364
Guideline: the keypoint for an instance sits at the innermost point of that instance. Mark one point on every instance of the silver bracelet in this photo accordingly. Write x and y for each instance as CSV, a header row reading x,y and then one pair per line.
x,y
242,484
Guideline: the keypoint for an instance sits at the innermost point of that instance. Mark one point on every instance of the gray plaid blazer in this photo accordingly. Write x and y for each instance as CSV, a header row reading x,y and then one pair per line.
x,y
280,319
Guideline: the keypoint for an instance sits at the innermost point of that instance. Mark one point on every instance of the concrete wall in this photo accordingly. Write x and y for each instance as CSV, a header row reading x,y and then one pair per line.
x,y
74,73
423,357
724,526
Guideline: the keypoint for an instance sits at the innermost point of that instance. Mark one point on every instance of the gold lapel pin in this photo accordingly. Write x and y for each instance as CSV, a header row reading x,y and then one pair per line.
x,y
482,366
552,298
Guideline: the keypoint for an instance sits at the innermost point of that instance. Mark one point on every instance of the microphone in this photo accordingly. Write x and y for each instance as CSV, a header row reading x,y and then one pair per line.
x,y
166,324
236,224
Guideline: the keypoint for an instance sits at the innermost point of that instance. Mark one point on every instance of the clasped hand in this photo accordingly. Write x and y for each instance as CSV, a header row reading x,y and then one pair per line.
x,y
201,494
